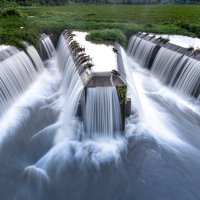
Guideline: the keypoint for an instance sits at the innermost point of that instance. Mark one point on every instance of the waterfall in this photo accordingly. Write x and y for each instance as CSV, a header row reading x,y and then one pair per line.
x,y
16,75
171,68
67,66
165,64
124,63
188,82
35,58
71,87
46,49
177,71
103,116
133,45
142,51
7,52
64,54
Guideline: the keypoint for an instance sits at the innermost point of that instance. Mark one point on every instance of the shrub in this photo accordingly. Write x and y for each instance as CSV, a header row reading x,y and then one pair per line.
x,y
9,9
13,36
113,35
149,25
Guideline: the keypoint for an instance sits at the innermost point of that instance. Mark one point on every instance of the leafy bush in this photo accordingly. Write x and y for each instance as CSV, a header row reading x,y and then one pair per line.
x,y
9,9
16,36
113,35
193,28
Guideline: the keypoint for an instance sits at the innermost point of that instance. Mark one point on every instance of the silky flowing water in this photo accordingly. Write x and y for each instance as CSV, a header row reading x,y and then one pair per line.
x,y
44,156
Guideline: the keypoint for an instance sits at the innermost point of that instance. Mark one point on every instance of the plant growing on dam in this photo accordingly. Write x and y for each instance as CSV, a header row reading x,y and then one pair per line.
x,y
121,92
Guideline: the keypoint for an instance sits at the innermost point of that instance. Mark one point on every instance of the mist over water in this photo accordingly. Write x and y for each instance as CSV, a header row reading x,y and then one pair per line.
x,y
42,155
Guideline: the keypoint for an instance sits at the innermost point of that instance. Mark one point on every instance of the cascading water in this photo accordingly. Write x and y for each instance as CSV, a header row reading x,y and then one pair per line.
x,y
133,45
47,49
141,48
158,158
16,74
35,58
124,63
177,71
172,122
165,63
7,52
71,88
188,81
103,116
170,67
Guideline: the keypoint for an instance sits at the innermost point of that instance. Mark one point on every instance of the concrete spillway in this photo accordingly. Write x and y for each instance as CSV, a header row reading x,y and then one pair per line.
x,y
175,66
96,76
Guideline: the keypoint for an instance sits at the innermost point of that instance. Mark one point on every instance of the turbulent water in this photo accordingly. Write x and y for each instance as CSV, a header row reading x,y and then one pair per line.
x,y
158,157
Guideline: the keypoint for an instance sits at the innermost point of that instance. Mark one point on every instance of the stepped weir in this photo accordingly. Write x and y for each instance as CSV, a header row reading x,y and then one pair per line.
x,y
103,105
174,66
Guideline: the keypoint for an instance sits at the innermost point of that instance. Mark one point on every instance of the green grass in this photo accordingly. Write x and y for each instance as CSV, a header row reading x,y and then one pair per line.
x,y
168,19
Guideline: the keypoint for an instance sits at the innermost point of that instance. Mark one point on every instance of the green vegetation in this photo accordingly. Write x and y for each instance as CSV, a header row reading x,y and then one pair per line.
x,y
137,2
121,92
129,19
9,9
107,35
14,27
14,30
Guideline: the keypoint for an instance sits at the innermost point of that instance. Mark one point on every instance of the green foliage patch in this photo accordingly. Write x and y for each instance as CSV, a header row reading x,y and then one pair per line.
x,y
107,35
15,30
121,92
9,9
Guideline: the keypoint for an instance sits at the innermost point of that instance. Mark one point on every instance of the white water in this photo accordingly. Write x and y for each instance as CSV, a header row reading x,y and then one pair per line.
x,y
164,68
161,106
35,58
16,74
139,48
103,116
70,90
157,159
131,87
47,49
180,72
7,51
171,68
